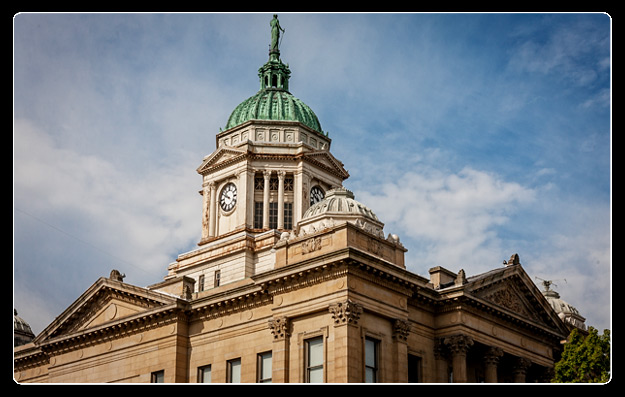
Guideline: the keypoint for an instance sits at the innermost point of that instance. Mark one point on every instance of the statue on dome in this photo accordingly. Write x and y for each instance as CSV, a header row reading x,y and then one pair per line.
x,y
275,33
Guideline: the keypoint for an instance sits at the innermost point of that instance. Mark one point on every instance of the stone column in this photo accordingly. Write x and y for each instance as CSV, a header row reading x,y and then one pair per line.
x,y
266,175
519,369
281,175
459,346
348,366
440,359
401,329
491,359
212,209
280,329
206,191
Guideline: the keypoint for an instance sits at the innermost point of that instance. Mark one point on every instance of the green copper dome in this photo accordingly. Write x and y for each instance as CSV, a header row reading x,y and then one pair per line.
x,y
273,101
273,104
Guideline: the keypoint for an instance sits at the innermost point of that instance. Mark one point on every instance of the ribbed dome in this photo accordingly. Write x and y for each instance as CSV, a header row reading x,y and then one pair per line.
x,y
274,101
273,104
339,201
337,207
565,311
22,333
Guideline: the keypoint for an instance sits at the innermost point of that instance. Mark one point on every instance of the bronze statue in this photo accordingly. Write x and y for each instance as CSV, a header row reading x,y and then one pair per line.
x,y
275,33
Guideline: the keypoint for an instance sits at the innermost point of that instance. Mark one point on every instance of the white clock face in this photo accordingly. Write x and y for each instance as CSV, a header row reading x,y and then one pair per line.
x,y
316,195
228,197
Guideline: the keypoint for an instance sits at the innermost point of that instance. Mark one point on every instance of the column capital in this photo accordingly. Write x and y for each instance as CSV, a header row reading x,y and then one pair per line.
x,y
458,344
521,365
401,329
281,174
346,312
266,174
280,327
492,355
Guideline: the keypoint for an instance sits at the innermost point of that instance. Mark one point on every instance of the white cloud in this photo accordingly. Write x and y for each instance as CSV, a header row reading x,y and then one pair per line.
x,y
144,218
452,217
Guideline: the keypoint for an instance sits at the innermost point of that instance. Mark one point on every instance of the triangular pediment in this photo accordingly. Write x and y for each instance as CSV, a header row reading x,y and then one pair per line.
x,y
511,291
222,156
325,160
106,301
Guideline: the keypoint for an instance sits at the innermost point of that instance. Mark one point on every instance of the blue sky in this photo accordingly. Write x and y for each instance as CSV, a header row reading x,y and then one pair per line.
x,y
472,137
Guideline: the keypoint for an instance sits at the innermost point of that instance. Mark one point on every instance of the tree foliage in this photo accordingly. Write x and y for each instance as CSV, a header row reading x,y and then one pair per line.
x,y
586,358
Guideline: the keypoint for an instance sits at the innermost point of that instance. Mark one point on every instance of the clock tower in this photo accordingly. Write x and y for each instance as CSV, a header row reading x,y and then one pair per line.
x,y
272,162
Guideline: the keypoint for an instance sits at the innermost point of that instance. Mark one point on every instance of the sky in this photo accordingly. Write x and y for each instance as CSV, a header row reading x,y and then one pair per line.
x,y
471,136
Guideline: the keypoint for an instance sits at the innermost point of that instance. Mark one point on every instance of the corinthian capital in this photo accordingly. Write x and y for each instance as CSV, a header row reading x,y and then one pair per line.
x,y
346,312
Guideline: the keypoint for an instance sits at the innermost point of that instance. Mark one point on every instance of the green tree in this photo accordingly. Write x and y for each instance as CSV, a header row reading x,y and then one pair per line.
x,y
586,358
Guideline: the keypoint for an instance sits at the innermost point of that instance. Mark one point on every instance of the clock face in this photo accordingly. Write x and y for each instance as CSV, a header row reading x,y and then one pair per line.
x,y
316,195
228,197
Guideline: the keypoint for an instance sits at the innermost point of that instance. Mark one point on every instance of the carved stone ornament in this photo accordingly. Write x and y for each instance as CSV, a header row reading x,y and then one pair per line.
x,y
279,327
401,329
310,245
458,344
346,312
492,355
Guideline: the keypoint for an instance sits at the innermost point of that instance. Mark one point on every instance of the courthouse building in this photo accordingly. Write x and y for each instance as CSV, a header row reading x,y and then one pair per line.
x,y
294,280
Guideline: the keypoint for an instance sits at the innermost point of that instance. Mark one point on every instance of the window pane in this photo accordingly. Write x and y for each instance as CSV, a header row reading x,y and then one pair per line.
x,y
205,374
258,215
235,371
369,375
265,367
315,352
315,375
273,215
370,353
158,377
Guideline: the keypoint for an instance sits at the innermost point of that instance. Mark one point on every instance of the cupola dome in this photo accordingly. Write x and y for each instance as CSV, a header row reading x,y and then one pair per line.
x,y
22,333
567,313
339,205
274,101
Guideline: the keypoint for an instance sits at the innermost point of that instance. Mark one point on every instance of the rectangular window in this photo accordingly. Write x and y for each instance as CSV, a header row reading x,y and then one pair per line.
x,y
371,360
314,360
259,183
217,280
264,367
234,371
288,215
158,377
273,215
258,215
200,283
204,374
288,184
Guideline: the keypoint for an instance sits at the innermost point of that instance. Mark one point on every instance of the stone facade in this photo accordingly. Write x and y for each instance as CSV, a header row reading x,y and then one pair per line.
x,y
495,327
293,280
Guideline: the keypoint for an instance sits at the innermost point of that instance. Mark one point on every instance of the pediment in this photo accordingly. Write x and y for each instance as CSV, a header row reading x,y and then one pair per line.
x,y
511,291
507,295
106,301
222,156
325,160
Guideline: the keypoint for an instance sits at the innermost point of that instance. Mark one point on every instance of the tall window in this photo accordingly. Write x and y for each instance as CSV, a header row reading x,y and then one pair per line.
x,y
314,360
264,367
258,215
371,360
234,371
273,215
204,374
158,377
200,283
217,280
288,215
